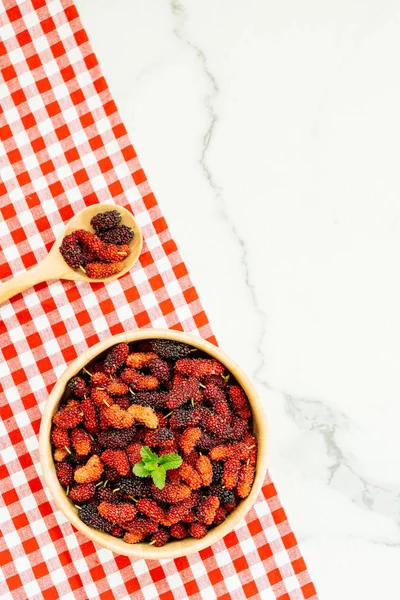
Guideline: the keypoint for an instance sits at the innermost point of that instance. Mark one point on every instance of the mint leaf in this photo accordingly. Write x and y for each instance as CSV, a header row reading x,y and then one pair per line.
x,y
170,461
140,469
147,454
158,476
150,466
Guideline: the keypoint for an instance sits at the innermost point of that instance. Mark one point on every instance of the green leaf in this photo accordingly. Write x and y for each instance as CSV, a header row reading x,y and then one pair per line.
x,y
147,454
158,476
150,466
140,469
171,461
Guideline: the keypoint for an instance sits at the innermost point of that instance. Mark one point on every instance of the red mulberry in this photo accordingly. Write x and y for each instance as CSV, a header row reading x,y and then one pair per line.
x,y
158,437
138,360
81,492
231,472
189,438
171,493
207,508
90,418
117,388
182,392
60,437
99,270
117,459
197,530
240,402
152,510
65,473
199,367
160,538
69,416
204,467
179,531
90,472
138,381
190,476
81,441
115,358
77,386
117,513
245,481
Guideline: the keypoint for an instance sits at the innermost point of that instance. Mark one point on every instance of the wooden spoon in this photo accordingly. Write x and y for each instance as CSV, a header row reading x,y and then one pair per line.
x,y
55,267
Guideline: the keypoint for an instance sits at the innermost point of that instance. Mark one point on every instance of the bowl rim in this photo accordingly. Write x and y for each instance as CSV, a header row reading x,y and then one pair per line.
x,y
142,550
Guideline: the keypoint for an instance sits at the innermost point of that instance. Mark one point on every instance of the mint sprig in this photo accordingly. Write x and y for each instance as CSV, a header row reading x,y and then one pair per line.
x,y
156,466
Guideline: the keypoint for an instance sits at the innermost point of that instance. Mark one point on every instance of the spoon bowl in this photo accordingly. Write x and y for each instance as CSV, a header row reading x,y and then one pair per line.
x,y
55,267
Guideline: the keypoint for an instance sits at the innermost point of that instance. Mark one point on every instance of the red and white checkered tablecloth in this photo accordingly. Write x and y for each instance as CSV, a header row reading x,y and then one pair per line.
x,y
63,146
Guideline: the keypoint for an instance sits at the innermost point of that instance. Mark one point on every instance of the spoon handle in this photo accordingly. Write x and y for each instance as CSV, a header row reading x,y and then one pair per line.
x,y
24,280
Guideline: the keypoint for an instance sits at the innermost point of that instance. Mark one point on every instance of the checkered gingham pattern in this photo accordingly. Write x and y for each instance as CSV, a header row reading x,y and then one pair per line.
x,y
63,146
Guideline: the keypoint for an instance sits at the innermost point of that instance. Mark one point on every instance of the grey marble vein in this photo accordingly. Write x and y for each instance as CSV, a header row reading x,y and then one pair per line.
x,y
178,10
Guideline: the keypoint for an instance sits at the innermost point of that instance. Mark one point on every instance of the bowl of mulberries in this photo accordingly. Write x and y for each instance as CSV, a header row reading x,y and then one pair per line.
x,y
153,444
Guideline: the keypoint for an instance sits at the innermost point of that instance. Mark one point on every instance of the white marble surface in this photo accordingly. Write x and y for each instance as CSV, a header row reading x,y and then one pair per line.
x,y
270,134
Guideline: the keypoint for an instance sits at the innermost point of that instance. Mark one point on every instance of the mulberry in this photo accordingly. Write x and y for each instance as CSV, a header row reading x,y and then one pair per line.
x,y
135,487
99,379
207,508
160,369
117,417
105,220
138,381
90,472
81,441
101,398
138,360
204,467
144,414
225,496
60,437
245,481
240,402
133,452
117,459
72,252
189,438
168,349
231,472
217,426
158,437
199,367
117,513
190,476
89,515
116,439
155,400
171,493
160,538
81,492
115,358
182,392
69,416
77,386
117,388
65,473
99,270
120,236
197,530
152,510
90,418
179,531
